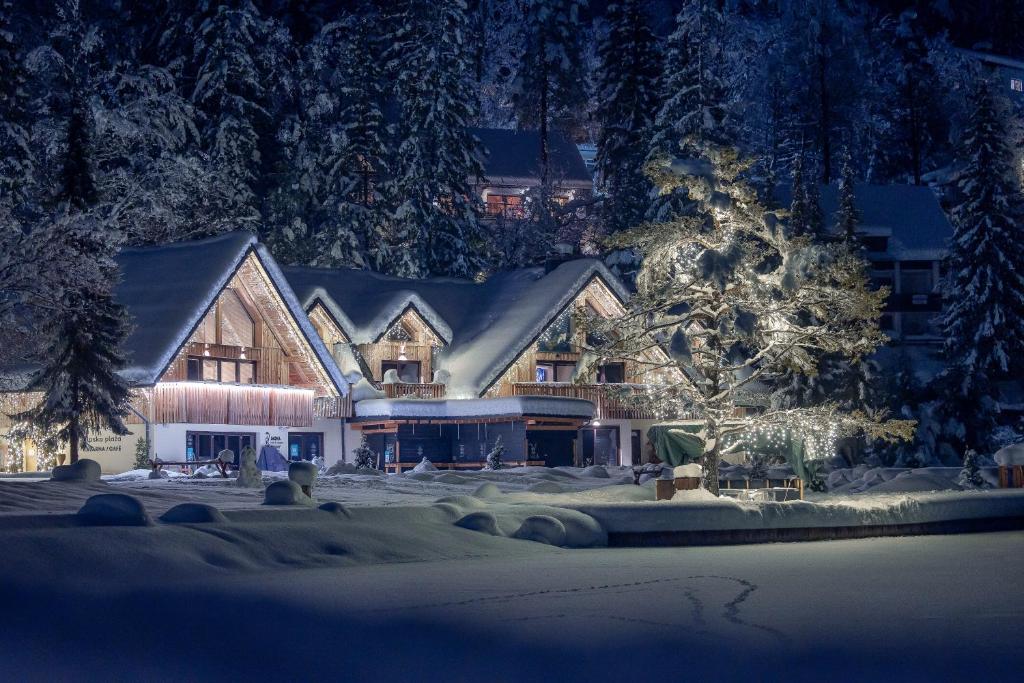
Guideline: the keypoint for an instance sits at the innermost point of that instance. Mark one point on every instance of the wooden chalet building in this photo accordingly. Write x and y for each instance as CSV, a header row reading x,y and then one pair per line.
x,y
441,368
221,355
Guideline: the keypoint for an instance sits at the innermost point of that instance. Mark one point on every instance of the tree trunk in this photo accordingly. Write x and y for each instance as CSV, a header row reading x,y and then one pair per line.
x,y
709,459
73,434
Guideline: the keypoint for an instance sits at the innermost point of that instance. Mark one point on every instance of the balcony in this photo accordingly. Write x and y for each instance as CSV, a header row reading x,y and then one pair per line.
x,y
609,404
408,390
232,404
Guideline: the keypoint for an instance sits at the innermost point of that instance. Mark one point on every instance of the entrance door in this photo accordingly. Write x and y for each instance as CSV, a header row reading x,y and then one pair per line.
x,y
305,445
600,446
636,447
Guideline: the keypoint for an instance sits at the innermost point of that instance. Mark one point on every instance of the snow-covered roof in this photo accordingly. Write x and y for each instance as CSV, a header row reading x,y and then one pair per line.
x,y
511,407
486,325
910,215
998,60
167,290
513,157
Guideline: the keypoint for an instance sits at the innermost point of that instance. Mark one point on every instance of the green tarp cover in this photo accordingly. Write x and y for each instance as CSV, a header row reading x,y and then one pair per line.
x,y
679,444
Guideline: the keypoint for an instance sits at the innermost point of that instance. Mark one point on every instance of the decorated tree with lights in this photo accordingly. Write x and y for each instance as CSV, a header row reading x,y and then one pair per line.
x,y
728,299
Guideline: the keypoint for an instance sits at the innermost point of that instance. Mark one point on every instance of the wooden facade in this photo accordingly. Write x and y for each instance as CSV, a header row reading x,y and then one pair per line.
x,y
410,339
277,359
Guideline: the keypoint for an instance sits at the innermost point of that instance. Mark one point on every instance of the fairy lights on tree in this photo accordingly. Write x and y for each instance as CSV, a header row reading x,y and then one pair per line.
x,y
727,300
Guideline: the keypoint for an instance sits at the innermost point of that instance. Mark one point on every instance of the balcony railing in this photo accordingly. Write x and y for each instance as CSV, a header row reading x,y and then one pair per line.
x,y
408,390
332,407
232,404
607,404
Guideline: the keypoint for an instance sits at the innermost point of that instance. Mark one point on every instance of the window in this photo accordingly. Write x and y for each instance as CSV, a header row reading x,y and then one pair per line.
x,y
236,327
1016,85
206,445
555,371
611,373
875,243
916,281
408,370
558,337
221,370
886,322
507,205
919,325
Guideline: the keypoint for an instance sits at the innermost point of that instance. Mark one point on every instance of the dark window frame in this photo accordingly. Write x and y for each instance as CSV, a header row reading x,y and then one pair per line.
x,y
196,362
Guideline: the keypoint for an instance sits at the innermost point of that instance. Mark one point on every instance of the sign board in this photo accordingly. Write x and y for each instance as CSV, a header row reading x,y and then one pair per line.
x,y
114,453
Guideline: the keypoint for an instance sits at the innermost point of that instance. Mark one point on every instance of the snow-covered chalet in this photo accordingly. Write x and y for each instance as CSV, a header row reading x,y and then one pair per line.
x,y
228,350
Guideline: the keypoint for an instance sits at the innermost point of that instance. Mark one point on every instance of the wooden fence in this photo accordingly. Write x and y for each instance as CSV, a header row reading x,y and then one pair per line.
x,y
607,405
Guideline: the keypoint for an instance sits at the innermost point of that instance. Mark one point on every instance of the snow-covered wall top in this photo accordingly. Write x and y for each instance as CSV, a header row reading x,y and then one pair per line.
x,y
487,325
513,406
911,215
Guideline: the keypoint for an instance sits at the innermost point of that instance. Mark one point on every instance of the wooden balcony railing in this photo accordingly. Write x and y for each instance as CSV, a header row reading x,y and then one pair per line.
x,y
332,407
232,404
403,390
607,405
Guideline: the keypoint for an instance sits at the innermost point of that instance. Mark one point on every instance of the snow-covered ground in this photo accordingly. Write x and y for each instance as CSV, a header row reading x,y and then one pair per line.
x,y
493,609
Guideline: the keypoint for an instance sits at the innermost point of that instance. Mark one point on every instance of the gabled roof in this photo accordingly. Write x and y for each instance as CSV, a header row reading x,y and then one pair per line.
x,y
910,215
167,290
513,156
487,325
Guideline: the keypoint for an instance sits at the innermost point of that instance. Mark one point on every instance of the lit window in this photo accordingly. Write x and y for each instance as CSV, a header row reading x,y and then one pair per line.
x,y
236,327
507,205
1016,85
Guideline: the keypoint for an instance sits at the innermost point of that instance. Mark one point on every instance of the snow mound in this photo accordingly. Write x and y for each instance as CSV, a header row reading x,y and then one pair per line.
x,y
141,475
193,513
1011,455
420,476
487,490
468,502
303,473
336,509
542,529
83,470
691,470
285,492
595,471
546,487
480,521
451,478
424,465
114,509
342,468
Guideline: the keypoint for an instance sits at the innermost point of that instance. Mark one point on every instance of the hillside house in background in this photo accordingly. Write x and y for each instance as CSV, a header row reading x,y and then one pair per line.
x,y
1007,72
905,234
512,168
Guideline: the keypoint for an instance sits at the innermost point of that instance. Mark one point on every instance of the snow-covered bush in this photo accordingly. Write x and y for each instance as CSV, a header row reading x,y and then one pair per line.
x,y
494,457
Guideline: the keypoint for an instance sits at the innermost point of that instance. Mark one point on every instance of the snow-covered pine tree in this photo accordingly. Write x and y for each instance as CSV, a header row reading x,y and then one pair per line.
x,y
847,215
496,24
364,456
77,377
548,89
695,89
723,303
495,455
984,318
230,93
339,151
627,103
970,473
17,170
805,217
435,226
694,99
